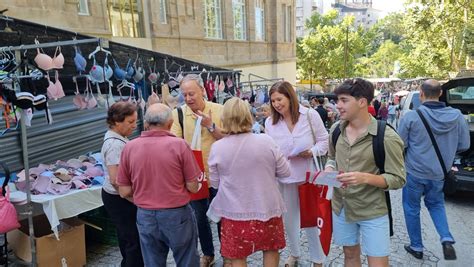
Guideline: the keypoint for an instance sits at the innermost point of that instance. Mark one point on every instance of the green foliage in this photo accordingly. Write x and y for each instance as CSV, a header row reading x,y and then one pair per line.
x,y
430,39
322,53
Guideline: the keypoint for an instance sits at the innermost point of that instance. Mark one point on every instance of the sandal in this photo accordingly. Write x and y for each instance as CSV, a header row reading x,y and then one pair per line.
x,y
292,261
207,261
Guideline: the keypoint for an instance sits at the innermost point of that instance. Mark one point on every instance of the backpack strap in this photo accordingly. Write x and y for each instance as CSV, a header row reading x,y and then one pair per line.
x,y
335,135
180,119
379,156
378,146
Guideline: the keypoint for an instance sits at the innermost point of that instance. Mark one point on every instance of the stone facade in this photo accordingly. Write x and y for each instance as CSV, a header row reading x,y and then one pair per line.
x,y
183,34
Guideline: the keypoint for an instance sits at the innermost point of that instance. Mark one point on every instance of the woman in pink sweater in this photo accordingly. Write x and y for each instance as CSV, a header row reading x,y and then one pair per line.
x,y
244,167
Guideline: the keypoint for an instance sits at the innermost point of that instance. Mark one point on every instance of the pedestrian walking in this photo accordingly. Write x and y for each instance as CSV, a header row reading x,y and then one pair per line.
x,y
447,131
360,207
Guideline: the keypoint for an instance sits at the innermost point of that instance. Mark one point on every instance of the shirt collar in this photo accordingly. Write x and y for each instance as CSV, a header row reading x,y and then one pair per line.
x,y
372,130
156,133
112,133
434,104
189,112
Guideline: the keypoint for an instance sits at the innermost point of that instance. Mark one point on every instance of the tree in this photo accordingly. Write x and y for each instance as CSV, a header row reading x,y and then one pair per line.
x,y
321,54
442,27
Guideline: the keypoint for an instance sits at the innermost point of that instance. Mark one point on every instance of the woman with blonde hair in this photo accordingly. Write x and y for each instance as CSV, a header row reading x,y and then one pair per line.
x,y
248,202
300,133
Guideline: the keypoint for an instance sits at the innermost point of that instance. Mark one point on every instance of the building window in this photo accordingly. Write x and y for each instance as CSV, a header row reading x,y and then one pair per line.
x,y
260,20
126,18
240,29
287,23
212,19
163,12
83,7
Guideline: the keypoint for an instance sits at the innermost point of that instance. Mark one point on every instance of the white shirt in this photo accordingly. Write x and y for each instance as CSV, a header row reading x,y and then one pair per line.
x,y
301,137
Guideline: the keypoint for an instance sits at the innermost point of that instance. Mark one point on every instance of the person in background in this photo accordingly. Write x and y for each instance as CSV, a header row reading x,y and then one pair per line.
x,y
392,113
159,171
291,126
323,113
372,110
305,103
425,176
383,112
314,102
196,105
376,103
248,200
122,121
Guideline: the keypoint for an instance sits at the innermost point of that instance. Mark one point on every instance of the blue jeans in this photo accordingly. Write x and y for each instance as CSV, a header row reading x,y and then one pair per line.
x,y
200,208
434,202
163,229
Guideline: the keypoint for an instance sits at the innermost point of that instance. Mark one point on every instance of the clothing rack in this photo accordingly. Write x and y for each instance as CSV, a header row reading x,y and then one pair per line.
x,y
207,71
24,146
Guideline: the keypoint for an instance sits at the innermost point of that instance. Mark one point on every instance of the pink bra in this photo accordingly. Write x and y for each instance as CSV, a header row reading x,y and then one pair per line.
x,y
45,62
55,90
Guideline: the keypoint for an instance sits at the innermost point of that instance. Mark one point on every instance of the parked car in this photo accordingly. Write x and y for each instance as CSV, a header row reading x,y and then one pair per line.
x,y
408,102
458,93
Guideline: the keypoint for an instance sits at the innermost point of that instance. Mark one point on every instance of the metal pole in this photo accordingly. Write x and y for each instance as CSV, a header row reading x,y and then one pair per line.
x,y
26,165
52,44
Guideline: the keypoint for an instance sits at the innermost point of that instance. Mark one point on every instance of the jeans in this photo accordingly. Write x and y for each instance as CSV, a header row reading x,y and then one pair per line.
x,y
434,202
200,208
163,229
123,214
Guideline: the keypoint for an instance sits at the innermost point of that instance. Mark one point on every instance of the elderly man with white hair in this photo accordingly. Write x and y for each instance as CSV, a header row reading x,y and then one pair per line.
x,y
158,170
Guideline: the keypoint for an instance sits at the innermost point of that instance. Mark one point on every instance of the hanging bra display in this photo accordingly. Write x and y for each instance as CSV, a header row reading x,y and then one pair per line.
x,y
45,62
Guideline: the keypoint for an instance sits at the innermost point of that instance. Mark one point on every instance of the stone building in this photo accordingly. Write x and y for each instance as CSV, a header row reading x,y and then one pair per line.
x,y
255,36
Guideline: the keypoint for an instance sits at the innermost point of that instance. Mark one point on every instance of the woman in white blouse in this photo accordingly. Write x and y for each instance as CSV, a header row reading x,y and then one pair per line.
x,y
290,126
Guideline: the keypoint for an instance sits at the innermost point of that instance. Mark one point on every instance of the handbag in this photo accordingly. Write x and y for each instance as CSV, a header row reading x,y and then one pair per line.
x,y
203,192
308,191
324,217
450,179
7,210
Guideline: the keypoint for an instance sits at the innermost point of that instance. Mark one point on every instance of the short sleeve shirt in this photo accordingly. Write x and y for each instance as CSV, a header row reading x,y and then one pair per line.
x,y
111,150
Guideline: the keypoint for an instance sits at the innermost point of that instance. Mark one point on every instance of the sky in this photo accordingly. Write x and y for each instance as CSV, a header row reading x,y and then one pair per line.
x,y
387,6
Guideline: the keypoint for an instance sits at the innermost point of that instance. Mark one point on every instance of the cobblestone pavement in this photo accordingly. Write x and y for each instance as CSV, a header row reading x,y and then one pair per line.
x,y
460,212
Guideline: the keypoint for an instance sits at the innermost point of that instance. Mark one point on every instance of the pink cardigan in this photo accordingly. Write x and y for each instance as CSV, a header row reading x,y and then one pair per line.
x,y
244,168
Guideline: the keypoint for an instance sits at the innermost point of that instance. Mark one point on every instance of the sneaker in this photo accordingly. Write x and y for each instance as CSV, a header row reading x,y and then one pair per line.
x,y
207,261
448,251
414,253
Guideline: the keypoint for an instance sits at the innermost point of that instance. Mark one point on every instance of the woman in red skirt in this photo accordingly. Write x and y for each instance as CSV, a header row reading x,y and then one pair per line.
x,y
244,167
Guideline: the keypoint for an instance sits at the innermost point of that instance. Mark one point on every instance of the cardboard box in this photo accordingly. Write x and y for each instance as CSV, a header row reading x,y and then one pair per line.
x,y
69,250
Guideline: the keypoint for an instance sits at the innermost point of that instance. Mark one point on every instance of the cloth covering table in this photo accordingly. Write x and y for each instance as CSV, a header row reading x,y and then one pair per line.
x,y
75,202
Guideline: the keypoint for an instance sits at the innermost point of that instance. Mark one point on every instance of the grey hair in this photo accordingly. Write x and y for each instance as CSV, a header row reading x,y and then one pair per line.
x,y
158,116
192,77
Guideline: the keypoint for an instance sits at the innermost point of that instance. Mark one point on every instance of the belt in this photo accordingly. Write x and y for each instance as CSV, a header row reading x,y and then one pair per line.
x,y
175,208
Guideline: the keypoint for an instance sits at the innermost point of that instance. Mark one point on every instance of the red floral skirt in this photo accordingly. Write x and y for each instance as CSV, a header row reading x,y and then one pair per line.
x,y
240,239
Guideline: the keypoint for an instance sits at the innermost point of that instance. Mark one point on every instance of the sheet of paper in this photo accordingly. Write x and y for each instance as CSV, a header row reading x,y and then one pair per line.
x,y
328,178
298,149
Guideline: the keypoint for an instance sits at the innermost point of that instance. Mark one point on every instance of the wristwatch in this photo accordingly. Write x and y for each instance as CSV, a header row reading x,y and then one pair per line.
x,y
212,128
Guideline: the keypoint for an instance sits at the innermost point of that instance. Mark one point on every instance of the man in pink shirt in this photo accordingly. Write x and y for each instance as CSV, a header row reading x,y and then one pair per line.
x,y
158,170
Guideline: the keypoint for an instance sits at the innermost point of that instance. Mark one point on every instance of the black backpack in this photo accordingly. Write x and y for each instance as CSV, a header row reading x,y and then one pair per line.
x,y
379,155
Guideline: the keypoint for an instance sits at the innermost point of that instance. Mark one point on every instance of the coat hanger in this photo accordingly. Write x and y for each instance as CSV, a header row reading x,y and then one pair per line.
x,y
97,49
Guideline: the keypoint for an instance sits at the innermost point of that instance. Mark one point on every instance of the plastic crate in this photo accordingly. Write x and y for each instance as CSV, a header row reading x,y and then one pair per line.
x,y
100,218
